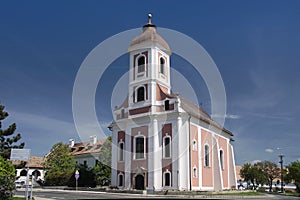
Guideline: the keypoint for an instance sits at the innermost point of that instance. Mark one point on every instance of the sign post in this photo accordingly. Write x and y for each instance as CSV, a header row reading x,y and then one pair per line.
x,y
23,154
77,177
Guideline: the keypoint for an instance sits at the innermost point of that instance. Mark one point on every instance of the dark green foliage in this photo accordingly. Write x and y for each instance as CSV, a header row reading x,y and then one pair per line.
x,y
102,169
7,179
87,177
59,165
294,174
7,140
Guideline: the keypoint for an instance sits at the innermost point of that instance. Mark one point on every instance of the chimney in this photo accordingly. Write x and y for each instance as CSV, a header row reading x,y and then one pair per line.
x,y
71,143
93,140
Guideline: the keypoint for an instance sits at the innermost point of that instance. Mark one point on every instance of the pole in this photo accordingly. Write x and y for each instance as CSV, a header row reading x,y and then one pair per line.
x,y
281,169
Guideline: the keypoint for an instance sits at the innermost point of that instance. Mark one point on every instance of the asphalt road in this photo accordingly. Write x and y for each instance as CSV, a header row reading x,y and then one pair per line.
x,y
50,194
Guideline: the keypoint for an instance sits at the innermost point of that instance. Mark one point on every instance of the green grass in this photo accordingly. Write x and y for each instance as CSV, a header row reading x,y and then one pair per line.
x,y
18,198
248,193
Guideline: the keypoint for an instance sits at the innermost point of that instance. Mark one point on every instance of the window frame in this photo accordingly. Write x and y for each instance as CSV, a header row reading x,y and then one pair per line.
x,y
195,172
206,155
164,146
194,145
221,154
135,147
162,66
119,151
138,66
170,179
137,93
120,175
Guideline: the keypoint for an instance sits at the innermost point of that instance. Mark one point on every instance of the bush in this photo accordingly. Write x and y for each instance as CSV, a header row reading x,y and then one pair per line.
x,y
7,179
57,178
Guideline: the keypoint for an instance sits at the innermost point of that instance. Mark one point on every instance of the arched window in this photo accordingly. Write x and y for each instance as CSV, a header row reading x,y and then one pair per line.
x,y
141,94
167,179
206,156
167,147
162,63
194,146
139,147
36,173
195,172
222,159
23,172
120,180
121,151
141,64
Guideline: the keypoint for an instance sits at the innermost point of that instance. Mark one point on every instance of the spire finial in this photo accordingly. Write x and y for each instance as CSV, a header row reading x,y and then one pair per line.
x,y
149,18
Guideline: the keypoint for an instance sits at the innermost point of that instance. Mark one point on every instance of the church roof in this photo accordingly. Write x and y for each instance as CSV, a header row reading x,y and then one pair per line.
x,y
150,35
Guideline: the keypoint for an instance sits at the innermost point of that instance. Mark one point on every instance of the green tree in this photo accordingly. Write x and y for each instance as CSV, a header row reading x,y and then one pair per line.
x,y
269,170
7,138
87,177
59,165
293,174
7,179
102,169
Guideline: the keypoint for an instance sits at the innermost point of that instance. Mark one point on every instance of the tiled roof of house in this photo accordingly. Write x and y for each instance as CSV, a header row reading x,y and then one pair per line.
x,y
35,162
86,147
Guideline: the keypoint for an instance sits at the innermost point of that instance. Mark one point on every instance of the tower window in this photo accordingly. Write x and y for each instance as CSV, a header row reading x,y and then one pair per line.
x,y
195,172
167,178
141,64
206,156
167,147
222,159
167,105
140,94
121,151
139,147
121,178
162,65
194,145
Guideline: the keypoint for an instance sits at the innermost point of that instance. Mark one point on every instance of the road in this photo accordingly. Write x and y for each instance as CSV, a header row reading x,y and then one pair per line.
x,y
50,194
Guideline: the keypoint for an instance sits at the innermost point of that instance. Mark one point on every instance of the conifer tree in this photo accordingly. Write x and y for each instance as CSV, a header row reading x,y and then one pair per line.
x,y
7,138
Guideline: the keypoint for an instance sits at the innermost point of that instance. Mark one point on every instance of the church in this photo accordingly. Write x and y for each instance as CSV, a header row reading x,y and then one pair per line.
x,y
161,140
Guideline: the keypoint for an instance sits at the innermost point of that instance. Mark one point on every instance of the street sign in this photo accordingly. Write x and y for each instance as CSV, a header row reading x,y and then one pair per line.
x,y
20,154
76,176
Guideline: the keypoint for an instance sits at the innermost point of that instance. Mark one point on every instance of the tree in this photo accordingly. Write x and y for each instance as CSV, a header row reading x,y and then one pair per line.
x,y
294,174
87,177
269,170
59,165
102,169
7,179
7,140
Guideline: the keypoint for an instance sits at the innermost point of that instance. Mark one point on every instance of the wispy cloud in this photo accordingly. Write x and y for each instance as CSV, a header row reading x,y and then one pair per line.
x,y
227,116
269,150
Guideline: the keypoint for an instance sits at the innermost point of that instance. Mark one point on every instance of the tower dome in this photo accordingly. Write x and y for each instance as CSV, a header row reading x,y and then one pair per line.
x,y
149,36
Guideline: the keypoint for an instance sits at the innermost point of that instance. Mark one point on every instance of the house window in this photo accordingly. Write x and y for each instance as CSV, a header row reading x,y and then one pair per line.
x,y
167,105
139,147
120,180
141,64
206,156
162,65
222,159
167,179
140,94
167,146
194,146
85,163
121,151
195,172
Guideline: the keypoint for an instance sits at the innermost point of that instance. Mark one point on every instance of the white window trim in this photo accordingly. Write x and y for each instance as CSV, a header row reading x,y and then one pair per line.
x,y
164,69
221,159
208,155
119,149
164,146
164,179
137,65
194,145
136,93
121,174
195,175
134,147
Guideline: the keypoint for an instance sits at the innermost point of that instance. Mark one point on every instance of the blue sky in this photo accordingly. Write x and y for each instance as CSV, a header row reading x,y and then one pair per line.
x,y
255,45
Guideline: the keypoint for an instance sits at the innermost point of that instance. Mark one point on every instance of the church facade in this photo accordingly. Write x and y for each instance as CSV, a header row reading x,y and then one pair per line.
x,y
161,140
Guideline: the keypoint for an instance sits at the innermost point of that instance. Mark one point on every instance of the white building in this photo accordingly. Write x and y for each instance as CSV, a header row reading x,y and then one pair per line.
x,y
161,140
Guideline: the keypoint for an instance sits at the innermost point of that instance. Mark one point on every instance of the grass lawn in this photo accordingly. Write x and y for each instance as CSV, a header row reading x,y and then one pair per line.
x,y
18,198
247,193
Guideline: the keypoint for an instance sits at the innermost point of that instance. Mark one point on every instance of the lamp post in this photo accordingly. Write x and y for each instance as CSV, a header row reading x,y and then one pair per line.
x,y
76,177
281,171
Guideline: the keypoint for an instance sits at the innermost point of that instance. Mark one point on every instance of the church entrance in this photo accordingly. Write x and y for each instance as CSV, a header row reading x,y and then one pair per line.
x,y
140,182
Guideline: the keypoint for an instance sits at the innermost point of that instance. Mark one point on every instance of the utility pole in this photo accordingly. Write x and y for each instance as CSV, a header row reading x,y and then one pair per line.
x,y
281,168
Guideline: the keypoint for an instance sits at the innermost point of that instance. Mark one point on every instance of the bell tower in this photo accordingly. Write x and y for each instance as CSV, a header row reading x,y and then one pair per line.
x,y
149,67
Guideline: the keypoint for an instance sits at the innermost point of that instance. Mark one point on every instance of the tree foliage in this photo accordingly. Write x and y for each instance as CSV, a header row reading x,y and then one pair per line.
x,y
7,138
102,169
294,174
7,179
87,177
269,170
59,165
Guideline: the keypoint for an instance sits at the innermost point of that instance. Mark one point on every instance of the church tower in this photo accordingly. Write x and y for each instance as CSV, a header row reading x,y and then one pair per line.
x,y
149,67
